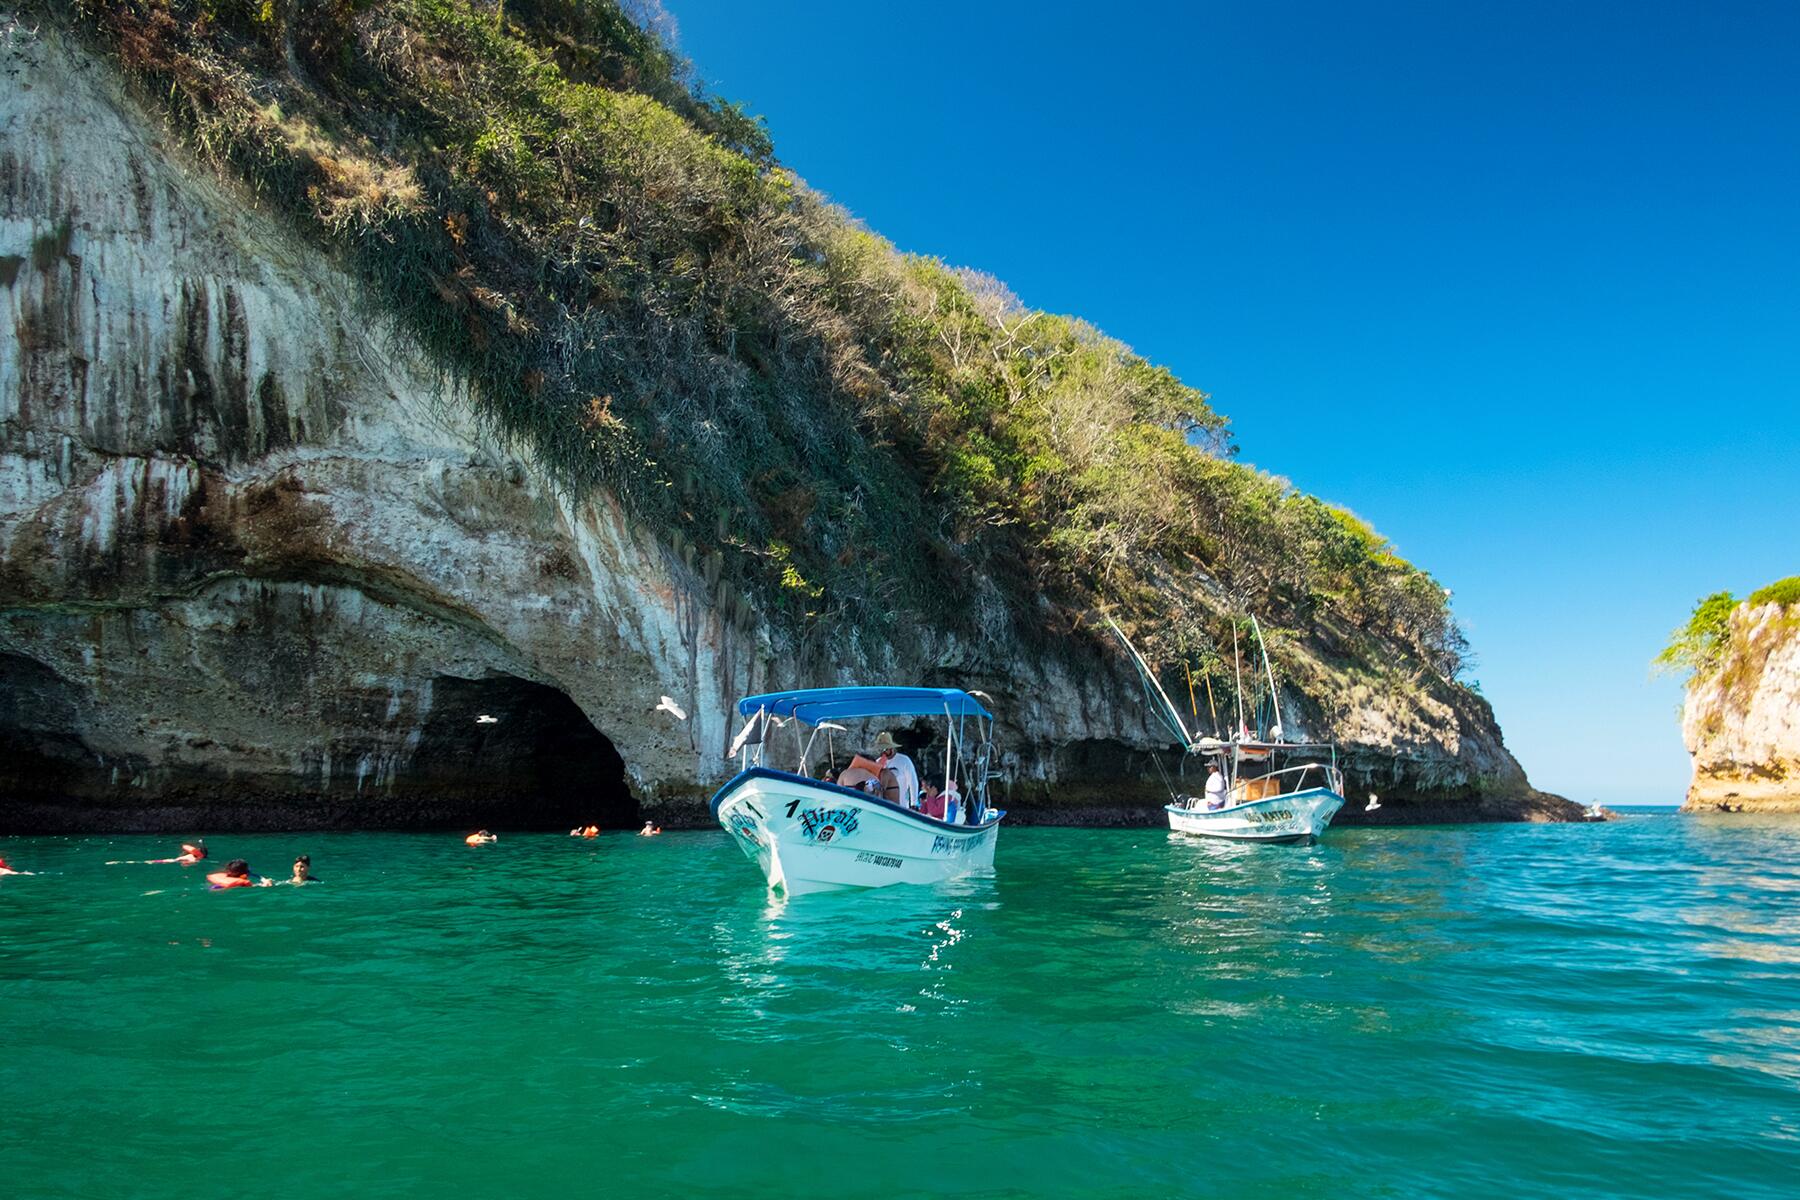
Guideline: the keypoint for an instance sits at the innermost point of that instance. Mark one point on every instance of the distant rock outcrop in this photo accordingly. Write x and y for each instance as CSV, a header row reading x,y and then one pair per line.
x,y
1741,720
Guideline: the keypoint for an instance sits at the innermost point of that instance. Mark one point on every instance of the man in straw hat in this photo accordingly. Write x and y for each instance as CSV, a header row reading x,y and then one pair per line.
x,y
906,775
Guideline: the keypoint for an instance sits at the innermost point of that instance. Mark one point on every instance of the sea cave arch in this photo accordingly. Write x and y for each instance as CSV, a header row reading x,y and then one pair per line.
x,y
506,753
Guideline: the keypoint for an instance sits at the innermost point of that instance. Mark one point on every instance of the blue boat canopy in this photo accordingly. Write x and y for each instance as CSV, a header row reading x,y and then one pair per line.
x,y
849,703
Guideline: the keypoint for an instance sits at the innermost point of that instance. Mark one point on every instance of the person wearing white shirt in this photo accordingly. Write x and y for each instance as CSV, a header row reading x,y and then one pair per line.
x,y
1215,789
905,773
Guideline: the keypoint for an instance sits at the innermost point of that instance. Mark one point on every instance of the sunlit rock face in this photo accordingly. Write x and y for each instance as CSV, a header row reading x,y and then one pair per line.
x,y
1742,721
262,566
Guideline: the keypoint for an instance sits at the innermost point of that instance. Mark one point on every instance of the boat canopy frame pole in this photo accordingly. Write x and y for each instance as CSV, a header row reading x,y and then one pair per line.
x,y
949,747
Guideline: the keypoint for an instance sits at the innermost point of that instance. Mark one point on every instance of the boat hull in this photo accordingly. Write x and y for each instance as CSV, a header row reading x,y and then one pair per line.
x,y
808,836
1296,817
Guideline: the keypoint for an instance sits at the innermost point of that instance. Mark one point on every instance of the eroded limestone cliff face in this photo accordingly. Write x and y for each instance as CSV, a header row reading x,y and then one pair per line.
x,y
261,565
1741,721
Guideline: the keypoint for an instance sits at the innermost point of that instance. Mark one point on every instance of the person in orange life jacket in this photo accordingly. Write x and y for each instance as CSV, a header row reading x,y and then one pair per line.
x,y
236,875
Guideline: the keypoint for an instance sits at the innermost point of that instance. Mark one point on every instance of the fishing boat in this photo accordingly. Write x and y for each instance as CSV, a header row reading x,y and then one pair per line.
x,y
1259,789
810,834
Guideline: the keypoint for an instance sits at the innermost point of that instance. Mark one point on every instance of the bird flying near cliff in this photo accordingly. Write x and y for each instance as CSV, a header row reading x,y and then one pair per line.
x,y
667,704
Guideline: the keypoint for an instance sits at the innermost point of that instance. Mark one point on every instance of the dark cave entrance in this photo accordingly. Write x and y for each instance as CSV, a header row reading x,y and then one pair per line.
x,y
506,753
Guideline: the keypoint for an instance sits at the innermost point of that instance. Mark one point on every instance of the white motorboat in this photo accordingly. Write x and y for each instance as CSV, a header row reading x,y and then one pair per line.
x,y
810,835
1260,802
1258,790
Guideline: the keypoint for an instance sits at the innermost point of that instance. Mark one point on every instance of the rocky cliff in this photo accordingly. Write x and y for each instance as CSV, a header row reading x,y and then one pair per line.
x,y
1741,718
262,564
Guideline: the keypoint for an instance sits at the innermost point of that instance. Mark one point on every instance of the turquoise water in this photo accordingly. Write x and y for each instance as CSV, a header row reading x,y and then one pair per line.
x,y
1542,1011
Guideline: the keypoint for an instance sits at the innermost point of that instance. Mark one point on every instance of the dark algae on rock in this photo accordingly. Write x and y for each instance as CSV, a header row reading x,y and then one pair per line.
x,y
370,361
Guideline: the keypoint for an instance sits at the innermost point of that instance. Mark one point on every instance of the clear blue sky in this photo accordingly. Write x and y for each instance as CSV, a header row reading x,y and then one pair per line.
x,y
1519,283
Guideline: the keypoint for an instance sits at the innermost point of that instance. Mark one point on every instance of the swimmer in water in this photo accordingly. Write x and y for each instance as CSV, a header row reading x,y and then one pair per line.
x,y
303,871
191,853
7,869
592,831
236,875
650,829
480,837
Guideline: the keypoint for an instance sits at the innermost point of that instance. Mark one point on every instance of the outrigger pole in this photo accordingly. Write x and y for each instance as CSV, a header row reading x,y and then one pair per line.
x,y
1237,661
1188,740
1274,700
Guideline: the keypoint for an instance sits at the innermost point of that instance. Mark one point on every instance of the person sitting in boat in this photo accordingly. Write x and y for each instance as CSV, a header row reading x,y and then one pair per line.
x,y
931,801
860,774
906,775
952,803
1215,787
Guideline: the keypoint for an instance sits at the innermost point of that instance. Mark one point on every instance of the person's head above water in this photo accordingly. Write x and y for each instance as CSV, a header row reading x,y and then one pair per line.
x,y
237,866
197,848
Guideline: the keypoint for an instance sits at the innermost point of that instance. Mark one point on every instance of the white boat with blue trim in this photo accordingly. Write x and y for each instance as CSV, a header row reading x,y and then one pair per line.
x,y
1256,790
1260,800
809,834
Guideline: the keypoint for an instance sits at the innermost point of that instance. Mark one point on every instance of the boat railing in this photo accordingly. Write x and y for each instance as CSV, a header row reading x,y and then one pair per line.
x,y
1284,782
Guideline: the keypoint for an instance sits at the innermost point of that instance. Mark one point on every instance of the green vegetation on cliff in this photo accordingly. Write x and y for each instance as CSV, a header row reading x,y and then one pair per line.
x,y
1783,592
824,429
1698,647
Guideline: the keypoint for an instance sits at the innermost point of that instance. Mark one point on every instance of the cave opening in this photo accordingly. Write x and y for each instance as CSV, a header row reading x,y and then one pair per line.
x,y
504,752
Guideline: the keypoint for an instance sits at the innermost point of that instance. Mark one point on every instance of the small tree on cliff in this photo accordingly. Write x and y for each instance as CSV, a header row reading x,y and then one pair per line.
x,y
1697,647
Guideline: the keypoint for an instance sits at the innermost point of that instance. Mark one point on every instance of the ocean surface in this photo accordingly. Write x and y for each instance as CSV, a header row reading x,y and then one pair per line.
x,y
1594,1010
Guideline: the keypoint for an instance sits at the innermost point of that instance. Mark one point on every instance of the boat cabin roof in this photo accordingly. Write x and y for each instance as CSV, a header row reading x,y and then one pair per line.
x,y
813,705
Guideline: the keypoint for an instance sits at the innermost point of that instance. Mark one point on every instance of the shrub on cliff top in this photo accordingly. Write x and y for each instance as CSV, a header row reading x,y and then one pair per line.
x,y
1782,592
638,292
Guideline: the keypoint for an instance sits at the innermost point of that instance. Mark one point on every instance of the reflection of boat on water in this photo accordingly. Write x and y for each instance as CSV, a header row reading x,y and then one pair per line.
x,y
811,835
1258,790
